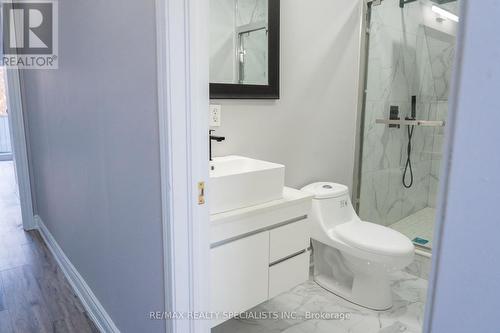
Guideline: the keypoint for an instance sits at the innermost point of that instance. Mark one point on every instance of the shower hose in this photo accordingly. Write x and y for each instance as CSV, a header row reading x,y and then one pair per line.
x,y
408,167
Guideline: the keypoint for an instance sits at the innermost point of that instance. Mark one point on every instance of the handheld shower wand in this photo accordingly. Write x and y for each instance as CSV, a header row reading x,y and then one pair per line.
x,y
408,149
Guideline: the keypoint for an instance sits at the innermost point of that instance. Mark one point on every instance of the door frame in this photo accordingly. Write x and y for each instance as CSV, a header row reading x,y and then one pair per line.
x,y
18,132
19,145
183,99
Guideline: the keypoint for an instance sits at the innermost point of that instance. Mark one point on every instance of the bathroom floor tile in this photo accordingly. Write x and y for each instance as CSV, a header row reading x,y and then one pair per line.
x,y
419,224
309,299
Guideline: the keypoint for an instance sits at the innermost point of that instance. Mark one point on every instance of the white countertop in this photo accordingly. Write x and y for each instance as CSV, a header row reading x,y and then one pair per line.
x,y
237,222
291,196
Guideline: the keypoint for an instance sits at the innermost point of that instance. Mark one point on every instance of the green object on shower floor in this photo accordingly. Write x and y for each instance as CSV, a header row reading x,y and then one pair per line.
x,y
418,225
420,241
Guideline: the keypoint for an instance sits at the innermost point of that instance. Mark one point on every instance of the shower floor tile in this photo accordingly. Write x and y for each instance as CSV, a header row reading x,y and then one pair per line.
x,y
419,224
406,315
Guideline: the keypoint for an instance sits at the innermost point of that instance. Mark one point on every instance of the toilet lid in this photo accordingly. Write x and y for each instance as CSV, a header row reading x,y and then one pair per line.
x,y
374,238
325,190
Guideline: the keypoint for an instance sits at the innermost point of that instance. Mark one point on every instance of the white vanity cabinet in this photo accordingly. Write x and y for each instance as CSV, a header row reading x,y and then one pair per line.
x,y
240,273
258,252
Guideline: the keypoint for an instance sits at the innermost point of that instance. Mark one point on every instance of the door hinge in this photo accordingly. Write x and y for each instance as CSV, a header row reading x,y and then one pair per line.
x,y
201,193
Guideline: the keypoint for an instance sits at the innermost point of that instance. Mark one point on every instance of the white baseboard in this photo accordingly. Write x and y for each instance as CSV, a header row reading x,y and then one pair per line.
x,y
90,302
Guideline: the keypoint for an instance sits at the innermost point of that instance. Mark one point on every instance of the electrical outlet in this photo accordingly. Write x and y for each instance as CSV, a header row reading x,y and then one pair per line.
x,y
215,115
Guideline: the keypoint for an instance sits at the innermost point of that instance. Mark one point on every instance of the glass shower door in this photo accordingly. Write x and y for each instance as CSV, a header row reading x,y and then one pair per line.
x,y
410,57
253,58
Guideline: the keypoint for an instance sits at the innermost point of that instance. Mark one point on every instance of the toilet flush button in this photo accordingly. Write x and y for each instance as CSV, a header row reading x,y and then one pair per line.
x,y
329,187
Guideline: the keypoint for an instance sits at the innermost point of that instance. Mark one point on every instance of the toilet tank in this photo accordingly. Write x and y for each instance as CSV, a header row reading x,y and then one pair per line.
x,y
331,204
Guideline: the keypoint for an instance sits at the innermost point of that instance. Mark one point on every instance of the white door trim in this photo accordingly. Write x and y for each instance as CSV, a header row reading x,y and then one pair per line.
x,y
182,48
19,145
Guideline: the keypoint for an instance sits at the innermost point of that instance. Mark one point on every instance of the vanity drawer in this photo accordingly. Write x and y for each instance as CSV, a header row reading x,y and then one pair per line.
x,y
289,273
239,274
288,240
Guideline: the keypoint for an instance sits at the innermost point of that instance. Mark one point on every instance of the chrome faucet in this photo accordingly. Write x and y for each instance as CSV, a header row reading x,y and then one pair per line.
x,y
214,138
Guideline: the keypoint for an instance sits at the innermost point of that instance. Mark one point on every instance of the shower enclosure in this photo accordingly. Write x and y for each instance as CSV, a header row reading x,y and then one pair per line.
x,y
410,51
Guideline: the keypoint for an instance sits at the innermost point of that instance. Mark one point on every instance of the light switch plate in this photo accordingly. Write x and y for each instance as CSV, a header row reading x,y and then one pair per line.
x,y
215,115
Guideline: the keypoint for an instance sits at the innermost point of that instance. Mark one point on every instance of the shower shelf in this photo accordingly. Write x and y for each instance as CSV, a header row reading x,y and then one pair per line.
x,y
427,123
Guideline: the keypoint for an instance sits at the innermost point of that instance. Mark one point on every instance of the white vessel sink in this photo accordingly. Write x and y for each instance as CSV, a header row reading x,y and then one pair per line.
x,y
238,182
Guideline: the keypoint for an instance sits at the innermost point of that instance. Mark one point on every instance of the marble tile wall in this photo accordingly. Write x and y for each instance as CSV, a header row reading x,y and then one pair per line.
x,y
222,43
437,153
250,11
255,43
406,57
226,16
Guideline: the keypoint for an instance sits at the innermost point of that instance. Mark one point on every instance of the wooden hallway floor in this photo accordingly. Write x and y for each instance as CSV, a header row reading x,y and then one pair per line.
x,y
34,293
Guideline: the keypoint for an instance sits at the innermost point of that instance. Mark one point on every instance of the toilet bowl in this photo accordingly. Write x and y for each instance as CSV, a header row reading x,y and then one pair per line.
x,y
353,258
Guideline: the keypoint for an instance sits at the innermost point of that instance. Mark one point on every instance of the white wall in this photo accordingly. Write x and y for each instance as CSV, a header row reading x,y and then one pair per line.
x,y
311,129
467,290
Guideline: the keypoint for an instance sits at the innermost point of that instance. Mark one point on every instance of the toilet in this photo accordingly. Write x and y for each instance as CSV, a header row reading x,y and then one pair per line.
x,y
353,258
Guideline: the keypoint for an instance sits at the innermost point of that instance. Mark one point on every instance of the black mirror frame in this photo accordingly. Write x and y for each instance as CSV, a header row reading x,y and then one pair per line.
x,y
250,91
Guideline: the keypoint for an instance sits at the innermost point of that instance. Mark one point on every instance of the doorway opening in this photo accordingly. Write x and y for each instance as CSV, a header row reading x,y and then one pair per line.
x,y
12,234
5,140
10,207
16,205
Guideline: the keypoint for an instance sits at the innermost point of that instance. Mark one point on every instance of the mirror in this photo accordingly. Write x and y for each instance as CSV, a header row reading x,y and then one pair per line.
x,y
244,49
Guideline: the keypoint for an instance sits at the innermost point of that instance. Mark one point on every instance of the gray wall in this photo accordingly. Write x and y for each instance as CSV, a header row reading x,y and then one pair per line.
x,y
467,281
93,134
311,128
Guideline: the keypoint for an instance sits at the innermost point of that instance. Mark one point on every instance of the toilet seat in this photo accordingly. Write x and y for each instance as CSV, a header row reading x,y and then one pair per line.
x,y
373,238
